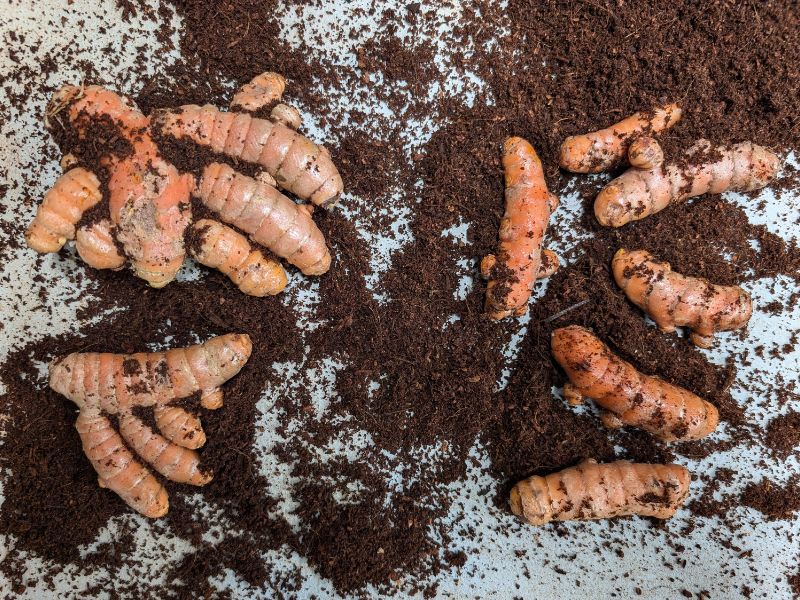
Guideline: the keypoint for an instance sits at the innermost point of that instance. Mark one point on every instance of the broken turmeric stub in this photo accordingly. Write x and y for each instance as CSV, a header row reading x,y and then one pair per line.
x,y
674,300
104,385
603,150
628,397
704,169
520,259
601,491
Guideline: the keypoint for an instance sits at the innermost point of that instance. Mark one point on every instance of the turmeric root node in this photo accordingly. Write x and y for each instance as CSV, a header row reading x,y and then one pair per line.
x,y
601,491
263,90
668,412
674,300
605,149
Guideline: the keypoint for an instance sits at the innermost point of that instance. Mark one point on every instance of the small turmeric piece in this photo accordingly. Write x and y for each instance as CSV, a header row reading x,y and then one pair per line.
x,y
263,90
605,149
674,300
641,192
627,396
104,385
520,259
601,491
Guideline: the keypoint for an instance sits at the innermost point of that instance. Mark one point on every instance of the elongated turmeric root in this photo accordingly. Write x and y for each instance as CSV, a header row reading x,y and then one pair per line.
x,y
639,193
513,271
627,396
222,248
115,384
674,300
605,149
601,491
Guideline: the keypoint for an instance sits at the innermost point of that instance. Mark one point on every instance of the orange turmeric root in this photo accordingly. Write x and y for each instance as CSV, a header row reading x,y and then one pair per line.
x,y
266,215
220,247
627,396
95,245
520,259
263,90
115,384
674,300
601,491
605,149
641,192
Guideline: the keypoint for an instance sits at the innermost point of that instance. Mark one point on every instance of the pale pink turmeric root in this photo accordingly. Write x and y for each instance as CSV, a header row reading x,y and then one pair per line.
x,y
674,300
297,164
220,247
266,215
601,491
605,149
263,90
639,193
75,192
627,396
115,384
519,260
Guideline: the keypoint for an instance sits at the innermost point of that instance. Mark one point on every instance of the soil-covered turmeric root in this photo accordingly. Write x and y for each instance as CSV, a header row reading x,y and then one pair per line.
x,y
639,193
217,246
605,149
674,300
601,491
263,90
627,396
519,260
117,384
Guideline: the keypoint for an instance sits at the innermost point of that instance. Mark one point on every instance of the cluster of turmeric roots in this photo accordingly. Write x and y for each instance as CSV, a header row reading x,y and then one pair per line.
x,y
149,216
625,396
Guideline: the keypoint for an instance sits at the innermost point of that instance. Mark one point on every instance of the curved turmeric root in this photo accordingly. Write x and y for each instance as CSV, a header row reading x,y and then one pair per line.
x,y
519,259
266,215
75,192
95,245
601,491
627,396
604,149
114,384
220,247
674,300
263,90
639,193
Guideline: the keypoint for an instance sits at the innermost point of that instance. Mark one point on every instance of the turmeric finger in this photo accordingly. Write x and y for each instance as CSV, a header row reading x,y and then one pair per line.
x,y
220,247
645,153
266,215
95,245
639,193
513,271
74,193
668,412
179,426
286,115
674,300
263,90
604,149
601,491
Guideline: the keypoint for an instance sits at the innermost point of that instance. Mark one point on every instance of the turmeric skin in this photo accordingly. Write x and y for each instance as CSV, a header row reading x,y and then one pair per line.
x,y
626,396
605,149
114,384
519,260
674,300
601,491
95,245
641,192
263,90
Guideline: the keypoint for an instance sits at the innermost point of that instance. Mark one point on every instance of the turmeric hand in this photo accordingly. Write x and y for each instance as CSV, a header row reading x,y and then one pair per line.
x,y
601,491
674,300
114,384
639,193
513,271
628,397
604,149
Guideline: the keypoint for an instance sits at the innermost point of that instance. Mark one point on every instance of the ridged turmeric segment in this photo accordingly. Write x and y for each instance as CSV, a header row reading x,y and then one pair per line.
x,y
75,192
95,245
627,396
266,215
220,247
605,149
103,384
674,300
601,491
263,90
519,260
704,169
297,164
